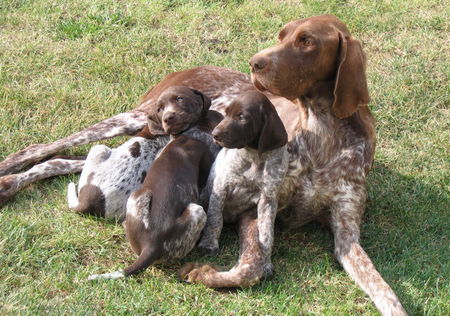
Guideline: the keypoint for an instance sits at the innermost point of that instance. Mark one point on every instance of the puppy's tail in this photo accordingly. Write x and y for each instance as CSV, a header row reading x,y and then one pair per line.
x,y
148,256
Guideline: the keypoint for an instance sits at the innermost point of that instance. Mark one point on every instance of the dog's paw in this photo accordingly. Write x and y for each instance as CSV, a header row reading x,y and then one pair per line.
x,y
268,271
196,273
208,247
210,251
8,187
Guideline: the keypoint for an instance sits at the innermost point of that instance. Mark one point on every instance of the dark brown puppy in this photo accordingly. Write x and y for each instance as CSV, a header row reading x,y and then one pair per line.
x,y
179,108
163,221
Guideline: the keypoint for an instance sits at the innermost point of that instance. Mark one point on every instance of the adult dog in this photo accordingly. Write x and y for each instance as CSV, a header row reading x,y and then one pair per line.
x,y
320,67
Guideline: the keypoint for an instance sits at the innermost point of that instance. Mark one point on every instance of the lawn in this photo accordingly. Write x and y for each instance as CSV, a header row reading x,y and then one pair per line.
x,y
67,64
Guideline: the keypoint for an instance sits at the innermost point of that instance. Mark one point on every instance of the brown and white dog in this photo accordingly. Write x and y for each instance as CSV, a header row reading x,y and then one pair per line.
x,y
319,66
247,173
163,220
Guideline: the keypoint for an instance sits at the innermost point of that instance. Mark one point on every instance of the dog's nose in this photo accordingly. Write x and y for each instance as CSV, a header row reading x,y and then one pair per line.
x,y
217,134
258,63
169,117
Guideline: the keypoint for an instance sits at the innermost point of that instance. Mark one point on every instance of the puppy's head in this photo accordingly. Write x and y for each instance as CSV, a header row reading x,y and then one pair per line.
x,y
251,121
178,108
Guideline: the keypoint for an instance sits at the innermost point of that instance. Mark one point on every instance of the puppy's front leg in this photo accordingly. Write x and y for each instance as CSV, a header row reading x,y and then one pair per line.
x,y
267,210
274,172
209,242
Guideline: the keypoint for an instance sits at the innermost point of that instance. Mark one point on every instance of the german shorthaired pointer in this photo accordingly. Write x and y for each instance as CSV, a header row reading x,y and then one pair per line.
x,y
110,176
320,67
248,172
163,221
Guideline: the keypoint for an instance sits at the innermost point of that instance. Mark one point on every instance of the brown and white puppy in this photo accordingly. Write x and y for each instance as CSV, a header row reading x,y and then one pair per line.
x,y
109,175
248,172
163,221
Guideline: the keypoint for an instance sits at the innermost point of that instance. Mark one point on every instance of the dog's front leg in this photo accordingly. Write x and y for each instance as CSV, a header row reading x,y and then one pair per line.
x,y
354,259
267,210
247,272
123,124
209,242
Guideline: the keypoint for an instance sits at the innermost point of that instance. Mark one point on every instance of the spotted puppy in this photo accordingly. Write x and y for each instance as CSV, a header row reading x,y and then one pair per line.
x,y
111,175
248,172
163,221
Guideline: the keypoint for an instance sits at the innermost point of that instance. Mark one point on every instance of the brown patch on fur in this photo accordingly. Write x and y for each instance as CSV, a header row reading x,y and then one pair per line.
x,y
135,150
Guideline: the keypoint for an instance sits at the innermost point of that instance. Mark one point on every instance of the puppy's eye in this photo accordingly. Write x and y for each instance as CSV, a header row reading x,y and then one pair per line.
x,y
241,117
159,109
179,99
307,42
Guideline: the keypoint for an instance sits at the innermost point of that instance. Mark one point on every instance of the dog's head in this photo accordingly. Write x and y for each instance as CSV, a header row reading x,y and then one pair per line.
x,y
309,53
177,109
251,121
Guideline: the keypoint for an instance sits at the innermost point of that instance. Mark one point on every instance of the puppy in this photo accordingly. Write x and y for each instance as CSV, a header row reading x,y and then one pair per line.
x,y
111,175
248,172
163,221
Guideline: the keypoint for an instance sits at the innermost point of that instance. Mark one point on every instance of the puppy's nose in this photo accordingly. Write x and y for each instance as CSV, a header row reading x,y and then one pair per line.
x,y
259,63
169,117
218,134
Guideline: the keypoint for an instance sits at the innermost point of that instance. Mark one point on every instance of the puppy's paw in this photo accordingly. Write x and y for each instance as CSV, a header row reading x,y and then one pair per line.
x,y
208,247
268,271
210,251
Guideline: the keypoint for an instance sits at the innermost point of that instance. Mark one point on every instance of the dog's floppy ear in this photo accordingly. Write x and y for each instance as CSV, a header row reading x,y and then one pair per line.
x,y
155,125
273,134
351,85
205,99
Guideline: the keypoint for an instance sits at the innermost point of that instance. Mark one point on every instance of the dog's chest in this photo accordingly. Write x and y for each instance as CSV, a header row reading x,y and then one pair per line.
x,y
241,178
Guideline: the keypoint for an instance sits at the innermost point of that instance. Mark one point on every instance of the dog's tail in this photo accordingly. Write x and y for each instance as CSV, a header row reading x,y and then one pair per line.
x,y
147,257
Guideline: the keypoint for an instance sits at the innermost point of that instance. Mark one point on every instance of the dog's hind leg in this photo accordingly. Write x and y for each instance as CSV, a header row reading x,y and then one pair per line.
x,y
11,184
248,271
186,231
128,123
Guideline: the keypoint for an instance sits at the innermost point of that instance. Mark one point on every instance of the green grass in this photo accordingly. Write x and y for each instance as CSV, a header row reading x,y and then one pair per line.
x,y
67,64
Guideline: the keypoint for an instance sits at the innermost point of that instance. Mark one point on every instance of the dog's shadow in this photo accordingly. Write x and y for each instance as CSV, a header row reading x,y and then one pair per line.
x,y
404,233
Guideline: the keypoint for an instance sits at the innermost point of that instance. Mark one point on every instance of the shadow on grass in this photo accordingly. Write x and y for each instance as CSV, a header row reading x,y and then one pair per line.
x,y
404,232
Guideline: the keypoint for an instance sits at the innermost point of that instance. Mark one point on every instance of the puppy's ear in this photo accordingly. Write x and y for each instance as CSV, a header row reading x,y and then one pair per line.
x,y
351,85
206,101
154,125
273,134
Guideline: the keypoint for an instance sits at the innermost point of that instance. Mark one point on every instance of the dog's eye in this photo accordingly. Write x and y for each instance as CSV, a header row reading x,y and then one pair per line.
x,y
241,117
159,109
179,99
306,42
